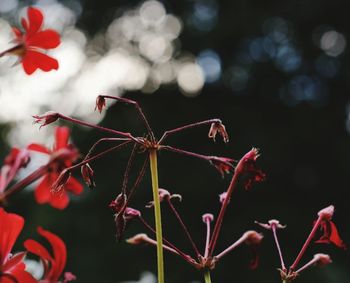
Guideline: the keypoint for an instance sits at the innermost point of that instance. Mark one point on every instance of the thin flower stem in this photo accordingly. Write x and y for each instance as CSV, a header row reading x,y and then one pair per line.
x,y
220,218
207,278
207,240
180,129
188,153
186,257
283,267
13,171
97,156
138,108
137,182
154,243
128,168
111,131
103,140
184,227
25,182
307,265
232,247
306,244
157,214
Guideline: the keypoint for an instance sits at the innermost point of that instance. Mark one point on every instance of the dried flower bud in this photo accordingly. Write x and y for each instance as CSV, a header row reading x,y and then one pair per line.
x,y
216,128
207,217
322,259
222,164
164,195
88,175
100,103
253,237
61,181
247,168
326,213
131,213
138,239
272,224
46,118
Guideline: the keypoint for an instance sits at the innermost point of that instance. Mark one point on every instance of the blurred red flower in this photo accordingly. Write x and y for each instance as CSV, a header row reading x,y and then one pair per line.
x,y
12,268
65,154
55,262
32,43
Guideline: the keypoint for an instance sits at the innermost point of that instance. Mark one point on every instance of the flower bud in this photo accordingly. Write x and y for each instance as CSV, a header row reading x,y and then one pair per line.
x,y
61,181
272,224
322,259
207,217
138,239
100,103
216,128
88,175
46,118
252,237
326,213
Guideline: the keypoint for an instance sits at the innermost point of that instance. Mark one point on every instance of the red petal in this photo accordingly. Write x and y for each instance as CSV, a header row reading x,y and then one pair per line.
x,y
335,238
34,60
59,201
13,262
42,191
38,249
46,39
39,148
61,137
20,274
59,254
35,17
10,227
25,24
74,186
17,32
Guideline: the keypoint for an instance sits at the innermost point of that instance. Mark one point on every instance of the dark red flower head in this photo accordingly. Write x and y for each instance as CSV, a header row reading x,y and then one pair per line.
x,y
330,235
63,154
88,175
33,42
46,118
55,262
11,266
122,214
248,169
223,164
100,103
218,128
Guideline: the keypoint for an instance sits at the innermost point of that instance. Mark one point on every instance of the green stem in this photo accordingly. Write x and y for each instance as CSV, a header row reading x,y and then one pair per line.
x,y
207,278
157,214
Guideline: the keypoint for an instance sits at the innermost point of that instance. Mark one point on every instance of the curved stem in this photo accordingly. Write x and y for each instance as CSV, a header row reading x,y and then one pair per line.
x,y
157,214
207,278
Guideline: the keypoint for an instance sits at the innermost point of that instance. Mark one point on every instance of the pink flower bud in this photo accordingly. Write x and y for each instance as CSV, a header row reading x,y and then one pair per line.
x,y
326,213
222,197
252,237
164,195
322,259
46,118
207,217
138,239
272,224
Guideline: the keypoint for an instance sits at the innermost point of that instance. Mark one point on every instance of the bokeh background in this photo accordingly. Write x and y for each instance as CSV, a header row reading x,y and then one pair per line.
x,y
276,73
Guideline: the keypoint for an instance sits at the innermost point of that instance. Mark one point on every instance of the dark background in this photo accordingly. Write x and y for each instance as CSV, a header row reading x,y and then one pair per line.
x,y
297,118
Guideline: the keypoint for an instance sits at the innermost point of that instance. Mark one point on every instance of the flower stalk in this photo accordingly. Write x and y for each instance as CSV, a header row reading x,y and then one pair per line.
x,y
207,278
157,214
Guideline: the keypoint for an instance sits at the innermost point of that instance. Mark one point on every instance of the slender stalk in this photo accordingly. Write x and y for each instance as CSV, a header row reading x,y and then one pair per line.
x,y
240,241
220,218
157,214
184,227
207,240
278,246
207,278
138,108
180,129
306,244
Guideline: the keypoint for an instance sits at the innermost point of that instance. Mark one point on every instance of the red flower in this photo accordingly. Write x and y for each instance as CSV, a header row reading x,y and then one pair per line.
x,y
31,43
12,268
65,154
248,169
54,263
330,234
